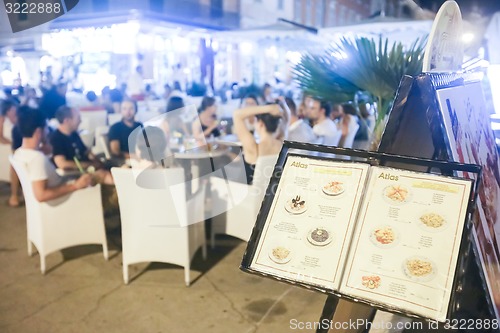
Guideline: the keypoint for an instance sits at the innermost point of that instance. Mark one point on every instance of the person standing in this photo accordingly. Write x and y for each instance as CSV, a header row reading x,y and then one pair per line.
x,y
53,99
135,83
267,94
8,119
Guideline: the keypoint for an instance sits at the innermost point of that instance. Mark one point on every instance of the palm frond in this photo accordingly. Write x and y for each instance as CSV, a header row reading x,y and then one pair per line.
x,y
319,80
360,64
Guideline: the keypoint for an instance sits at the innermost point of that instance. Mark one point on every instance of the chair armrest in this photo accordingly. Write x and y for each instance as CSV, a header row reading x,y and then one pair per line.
x,y
68,173
74,203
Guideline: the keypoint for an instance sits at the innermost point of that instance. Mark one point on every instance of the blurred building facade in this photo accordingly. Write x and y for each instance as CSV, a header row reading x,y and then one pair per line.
x,y
100,42
330,13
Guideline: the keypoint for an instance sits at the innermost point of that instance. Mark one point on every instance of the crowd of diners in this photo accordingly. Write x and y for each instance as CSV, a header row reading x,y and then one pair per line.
x,y
261,124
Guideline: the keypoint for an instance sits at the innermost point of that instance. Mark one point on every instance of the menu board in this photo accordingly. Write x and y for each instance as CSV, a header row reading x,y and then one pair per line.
x,y
471,140
407,239
381,235
309,227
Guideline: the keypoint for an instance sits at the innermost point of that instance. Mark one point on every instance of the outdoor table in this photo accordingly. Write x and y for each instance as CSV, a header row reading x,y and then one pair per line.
x,y
229,140
198,155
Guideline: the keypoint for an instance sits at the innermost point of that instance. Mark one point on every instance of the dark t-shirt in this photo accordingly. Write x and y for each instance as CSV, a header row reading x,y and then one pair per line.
x,y
17,138
68,146
121,132
215,132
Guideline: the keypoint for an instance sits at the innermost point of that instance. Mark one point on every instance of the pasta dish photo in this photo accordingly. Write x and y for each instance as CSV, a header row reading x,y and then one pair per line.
x,y
333,188
280,255
420,268
432,220
384,235
371,282
396,193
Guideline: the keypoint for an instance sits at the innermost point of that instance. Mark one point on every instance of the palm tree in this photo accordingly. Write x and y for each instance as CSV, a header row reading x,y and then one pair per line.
x,y
360,64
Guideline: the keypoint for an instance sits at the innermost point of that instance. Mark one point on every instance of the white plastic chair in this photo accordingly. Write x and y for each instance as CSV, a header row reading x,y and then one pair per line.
x,y
241,202
87,138
74,219
93,119
104,143
101,146
114,118
158,224
5,151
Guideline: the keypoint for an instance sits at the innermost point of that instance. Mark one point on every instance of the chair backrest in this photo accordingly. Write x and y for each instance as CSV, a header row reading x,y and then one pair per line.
x,y
32,205
104,143
264,167
5,151
91,120
101,144
87,138
160,207
22,173
114,118
92,108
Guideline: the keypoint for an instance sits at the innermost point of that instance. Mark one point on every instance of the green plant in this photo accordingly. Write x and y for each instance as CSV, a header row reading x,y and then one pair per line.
x,y
360,64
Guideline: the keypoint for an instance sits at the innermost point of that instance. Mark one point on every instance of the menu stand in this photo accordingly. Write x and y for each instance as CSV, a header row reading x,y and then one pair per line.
x,y
328,312
442,116
445,168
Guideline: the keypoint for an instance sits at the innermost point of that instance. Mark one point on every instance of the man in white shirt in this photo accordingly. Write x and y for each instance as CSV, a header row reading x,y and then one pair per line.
x,y
324,128
47,184
299,130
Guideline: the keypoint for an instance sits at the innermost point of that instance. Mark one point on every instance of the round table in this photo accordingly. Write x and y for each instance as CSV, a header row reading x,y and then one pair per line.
x,y
228,140
198,155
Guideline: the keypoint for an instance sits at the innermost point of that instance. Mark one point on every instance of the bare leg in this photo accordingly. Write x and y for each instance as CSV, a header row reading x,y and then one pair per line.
x,y
104,177
14,188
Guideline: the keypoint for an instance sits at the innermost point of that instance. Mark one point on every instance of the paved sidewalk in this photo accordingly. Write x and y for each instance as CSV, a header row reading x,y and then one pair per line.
x,y
81,292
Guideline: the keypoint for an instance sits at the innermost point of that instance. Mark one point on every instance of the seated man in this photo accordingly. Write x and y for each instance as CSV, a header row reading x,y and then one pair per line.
x,y
119,132
47,184
67,145
323,127
299,130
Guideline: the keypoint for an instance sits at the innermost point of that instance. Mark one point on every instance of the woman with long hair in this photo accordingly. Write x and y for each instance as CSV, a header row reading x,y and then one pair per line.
x,y
208,120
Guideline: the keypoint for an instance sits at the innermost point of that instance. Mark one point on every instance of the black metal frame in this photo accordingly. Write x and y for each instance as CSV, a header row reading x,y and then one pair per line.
x,y
367,157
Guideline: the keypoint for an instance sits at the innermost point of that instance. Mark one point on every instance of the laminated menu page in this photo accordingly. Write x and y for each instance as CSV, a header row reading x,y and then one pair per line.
x,y
406,243
309,226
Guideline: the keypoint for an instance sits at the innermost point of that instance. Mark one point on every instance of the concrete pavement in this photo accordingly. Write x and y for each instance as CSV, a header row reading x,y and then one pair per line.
x,y
81,292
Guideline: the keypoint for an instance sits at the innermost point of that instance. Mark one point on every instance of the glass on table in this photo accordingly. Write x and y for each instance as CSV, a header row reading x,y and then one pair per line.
x,y
189,143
